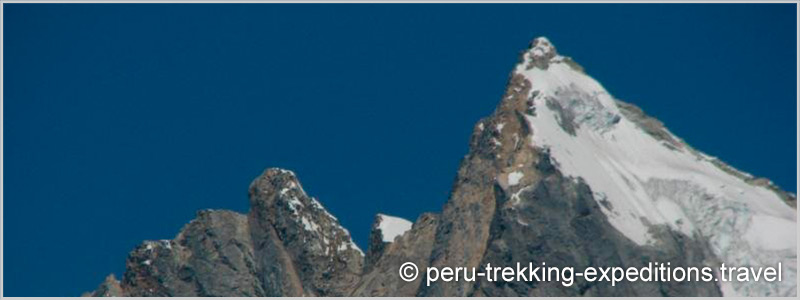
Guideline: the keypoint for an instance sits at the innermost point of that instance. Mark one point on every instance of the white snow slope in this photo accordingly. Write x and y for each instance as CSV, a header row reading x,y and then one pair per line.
x,y
648,183
392,227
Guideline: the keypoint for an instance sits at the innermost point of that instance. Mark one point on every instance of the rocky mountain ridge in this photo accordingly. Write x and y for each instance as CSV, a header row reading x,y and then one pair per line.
x,y
559,173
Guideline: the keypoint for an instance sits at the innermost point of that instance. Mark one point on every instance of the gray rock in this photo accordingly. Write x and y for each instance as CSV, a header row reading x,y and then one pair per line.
x,y
288,245
307,242
109,288
212,256
376,245
413,246
558,222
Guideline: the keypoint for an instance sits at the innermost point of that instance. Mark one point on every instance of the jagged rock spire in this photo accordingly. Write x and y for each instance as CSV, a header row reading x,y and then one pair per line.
x,y
311,243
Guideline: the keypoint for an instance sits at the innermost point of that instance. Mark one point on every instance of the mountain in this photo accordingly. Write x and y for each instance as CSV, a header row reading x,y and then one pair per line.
x,y
561,173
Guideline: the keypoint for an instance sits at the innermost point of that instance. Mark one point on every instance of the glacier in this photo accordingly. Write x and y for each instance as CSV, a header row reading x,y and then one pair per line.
x,y
646,180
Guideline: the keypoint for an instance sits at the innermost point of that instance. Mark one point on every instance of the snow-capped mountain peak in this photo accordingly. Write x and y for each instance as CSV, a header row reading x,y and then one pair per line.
x,y
542,50
645,179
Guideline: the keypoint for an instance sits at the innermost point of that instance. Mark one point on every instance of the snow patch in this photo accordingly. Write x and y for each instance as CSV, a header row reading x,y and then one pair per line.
x,y
515,199
350,245
309,225
514,177
355,247
294,204
500,126
392,227
541,47
167,244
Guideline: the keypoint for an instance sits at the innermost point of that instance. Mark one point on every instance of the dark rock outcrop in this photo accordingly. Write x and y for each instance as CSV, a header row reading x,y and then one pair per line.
x,y
376,245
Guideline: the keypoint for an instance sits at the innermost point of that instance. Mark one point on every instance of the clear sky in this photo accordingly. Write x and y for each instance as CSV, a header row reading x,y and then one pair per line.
x,y
121,121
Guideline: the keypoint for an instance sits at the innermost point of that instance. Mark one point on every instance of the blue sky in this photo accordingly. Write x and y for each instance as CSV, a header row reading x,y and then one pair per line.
x,y
121,121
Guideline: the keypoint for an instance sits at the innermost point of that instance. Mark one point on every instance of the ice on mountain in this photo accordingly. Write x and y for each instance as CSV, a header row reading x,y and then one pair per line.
x,y
500,126
643,178
392,227
294,204
166,243
309,225
769,233
542,47
514,178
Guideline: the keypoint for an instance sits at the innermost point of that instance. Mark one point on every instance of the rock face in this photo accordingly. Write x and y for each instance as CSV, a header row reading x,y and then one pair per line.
x,y
288,245
212,256
414,245
109,288
384,231
561,173
308,243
